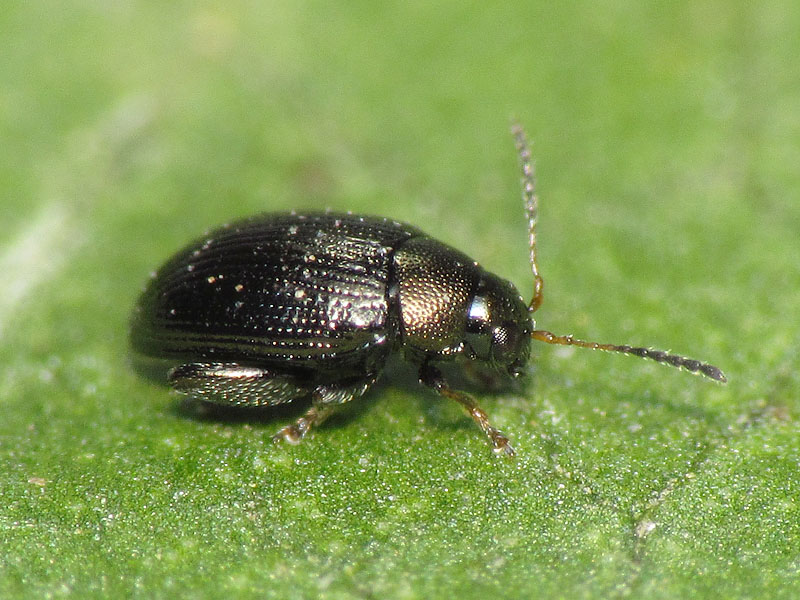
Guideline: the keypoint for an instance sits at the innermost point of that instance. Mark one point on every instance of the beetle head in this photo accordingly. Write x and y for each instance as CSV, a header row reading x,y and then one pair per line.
x,y
498,326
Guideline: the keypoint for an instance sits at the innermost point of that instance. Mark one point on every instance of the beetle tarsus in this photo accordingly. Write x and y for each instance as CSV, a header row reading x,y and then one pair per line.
x,y
502,446
294,434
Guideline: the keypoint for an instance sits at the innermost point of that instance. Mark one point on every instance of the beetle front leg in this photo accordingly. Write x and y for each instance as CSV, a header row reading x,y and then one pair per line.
x,y
432,377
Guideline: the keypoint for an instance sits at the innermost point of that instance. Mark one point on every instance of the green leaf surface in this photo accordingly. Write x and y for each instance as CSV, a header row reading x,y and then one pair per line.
x,y
665,138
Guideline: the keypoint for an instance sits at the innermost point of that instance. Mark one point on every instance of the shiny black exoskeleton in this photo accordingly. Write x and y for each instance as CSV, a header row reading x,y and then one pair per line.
x,y
282,306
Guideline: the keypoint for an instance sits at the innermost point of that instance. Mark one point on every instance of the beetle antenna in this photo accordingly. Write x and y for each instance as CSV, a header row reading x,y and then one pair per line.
x,y
681,362
531,202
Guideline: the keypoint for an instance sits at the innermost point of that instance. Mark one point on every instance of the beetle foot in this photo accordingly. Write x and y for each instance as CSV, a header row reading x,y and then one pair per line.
x,y
294,434
501,444
291,434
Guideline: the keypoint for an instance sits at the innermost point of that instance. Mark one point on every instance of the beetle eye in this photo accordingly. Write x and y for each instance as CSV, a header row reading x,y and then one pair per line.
x,y
504,341
508,348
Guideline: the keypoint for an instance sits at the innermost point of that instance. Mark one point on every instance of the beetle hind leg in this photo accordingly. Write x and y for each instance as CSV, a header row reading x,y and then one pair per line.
x,y
294,433
234,385
325,400
432,377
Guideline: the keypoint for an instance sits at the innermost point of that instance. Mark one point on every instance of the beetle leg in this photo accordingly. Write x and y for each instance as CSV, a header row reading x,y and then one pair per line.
x,y
432,377
234,384
325,399
294,433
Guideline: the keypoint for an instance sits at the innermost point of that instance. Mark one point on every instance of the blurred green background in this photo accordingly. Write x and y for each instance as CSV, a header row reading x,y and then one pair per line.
x,y
666,139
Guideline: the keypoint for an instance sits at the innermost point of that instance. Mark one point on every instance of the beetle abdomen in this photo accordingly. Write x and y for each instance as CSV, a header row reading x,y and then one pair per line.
x,y
274,289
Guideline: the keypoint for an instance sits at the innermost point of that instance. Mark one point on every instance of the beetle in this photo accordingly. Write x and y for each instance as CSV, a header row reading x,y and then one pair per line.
x,y
282,306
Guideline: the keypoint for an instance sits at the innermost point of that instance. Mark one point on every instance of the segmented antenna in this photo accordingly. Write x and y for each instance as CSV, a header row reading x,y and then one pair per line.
x,y
691,365
531,202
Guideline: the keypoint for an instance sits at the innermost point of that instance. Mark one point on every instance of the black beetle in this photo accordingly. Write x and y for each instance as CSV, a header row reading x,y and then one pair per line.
x,y
282,306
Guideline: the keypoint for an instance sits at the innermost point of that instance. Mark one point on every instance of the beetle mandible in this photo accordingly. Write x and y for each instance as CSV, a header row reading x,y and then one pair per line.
x,y
282,306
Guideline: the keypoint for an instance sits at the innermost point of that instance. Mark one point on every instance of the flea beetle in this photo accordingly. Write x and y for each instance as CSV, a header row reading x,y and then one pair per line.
x,y
284,306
